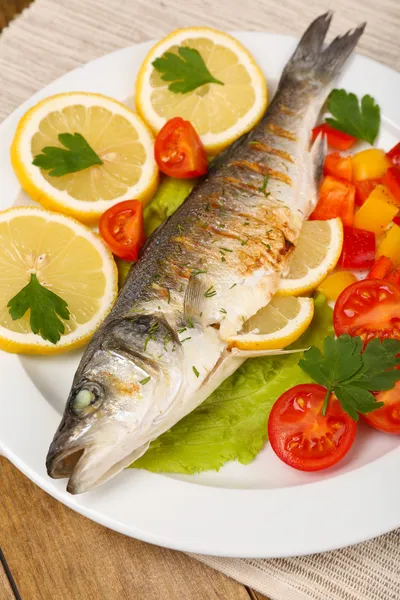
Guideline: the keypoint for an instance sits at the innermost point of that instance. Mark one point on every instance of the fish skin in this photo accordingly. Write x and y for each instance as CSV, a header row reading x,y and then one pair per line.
x,y
210,267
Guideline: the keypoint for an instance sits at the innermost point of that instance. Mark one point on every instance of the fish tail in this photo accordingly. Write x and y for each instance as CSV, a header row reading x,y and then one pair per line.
x,y
322,63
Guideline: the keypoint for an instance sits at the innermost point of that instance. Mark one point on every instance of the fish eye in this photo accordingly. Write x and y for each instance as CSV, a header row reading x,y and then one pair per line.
x,y
88,396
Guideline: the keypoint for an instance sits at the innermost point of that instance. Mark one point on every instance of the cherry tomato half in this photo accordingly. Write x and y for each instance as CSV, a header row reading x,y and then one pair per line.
x,y
386,418
370,309
179,151
121,227
301,436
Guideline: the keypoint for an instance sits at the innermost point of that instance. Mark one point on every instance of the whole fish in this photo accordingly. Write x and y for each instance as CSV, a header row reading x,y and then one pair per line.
x,y
216,262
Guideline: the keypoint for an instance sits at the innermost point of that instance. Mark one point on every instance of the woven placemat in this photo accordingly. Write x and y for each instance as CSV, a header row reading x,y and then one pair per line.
x,y
54,36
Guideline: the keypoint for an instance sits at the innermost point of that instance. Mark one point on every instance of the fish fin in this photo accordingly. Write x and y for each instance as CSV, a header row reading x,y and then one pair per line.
x,y
317,154
311,57
193,304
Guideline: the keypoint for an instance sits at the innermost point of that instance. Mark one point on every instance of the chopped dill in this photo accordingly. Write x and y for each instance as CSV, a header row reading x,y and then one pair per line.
x,y
190,322
198,272
263,188
210,292
268,247
195,371
169,295
145,380
186,339
182,330
222,249
180,228
244,242
232,286
223,311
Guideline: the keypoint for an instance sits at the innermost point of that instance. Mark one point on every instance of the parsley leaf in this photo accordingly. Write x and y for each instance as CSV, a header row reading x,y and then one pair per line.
x,y
78,156
352,374
45,307
361,122
187,71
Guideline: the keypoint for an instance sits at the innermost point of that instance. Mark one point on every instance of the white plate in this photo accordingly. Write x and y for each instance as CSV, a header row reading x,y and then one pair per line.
x,y
261,510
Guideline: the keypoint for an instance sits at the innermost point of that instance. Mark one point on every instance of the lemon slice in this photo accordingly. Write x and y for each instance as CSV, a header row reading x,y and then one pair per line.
x,y
219,113
68,259
316,254
117,135
277,325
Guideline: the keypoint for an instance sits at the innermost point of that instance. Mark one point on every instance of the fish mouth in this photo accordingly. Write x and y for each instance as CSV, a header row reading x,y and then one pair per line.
x,y
87,467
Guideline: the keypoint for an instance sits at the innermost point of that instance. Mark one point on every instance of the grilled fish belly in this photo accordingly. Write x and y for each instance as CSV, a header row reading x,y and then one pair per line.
x,y
214,264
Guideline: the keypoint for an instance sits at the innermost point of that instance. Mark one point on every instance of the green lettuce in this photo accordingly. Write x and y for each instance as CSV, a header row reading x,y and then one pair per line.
x,y
232,423
168,197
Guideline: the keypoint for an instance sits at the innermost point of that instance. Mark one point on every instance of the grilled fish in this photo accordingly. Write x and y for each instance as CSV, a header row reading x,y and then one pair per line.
x,y
209,268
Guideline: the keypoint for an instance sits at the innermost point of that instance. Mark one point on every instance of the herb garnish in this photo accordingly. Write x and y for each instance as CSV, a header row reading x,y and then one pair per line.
x,y
210,292
361,122
351,373
263,188
223,311
187,70
145,380
76,156
190,322
45,306
195,371
268,247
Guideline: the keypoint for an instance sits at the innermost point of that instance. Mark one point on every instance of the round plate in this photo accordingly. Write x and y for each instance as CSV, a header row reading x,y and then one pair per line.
x,y
264,509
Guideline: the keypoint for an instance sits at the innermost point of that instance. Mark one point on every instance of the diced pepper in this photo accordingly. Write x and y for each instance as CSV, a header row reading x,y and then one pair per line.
x,y
336,199
390,245
335,138
364,188
394,277
334,284
392,179
358,249
370,164
338,166
377,211
381,268
396,220
394,155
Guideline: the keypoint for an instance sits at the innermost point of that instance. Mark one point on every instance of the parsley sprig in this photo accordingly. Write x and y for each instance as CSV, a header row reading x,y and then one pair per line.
x,y
351,373
361,120
76,156
45,306
187,70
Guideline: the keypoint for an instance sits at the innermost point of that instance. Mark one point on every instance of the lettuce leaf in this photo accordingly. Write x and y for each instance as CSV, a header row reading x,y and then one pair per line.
x,y
168,197
232,423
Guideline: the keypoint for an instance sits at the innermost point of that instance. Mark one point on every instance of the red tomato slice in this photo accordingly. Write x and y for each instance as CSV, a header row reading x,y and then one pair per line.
x,y
358,250
392,179
336,139
394,155
386,418
338,166
381,268
121,227
179,151
336,199
364,188
301,436
370,309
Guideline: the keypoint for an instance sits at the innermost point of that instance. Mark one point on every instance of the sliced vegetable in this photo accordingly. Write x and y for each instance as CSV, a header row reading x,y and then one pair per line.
x,y
304,439
336,199
171,193
387,418
121,227
338,166
396,221
377,212
394,155
369,309
361,119
392,180
394,277
179,151
370,164
364,188
335,138
358,249
390,245
335,283
381,268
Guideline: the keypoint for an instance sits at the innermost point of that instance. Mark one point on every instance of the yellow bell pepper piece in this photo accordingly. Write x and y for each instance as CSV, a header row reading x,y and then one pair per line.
x,y
390,245
370,164
377,212
334,284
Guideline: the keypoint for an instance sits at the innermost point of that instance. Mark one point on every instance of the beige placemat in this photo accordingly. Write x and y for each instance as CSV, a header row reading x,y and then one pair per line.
x,y
54,36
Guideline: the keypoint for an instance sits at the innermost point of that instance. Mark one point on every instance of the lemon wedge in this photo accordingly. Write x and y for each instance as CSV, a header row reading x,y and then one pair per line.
x,y
220,112
68,259
316,254
275,326
116,134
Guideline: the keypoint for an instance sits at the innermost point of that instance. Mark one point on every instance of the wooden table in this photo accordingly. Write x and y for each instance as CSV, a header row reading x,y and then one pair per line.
x,y
52,553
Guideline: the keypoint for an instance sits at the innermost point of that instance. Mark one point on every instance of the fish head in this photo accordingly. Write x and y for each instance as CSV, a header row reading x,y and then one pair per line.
x,y
128,379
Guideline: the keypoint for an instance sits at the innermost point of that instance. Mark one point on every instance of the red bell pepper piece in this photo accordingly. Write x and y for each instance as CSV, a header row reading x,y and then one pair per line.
x,y
364,188
358,249
381,268
392,179
338,166
394,277
336,199
394,155
335,138
396,220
